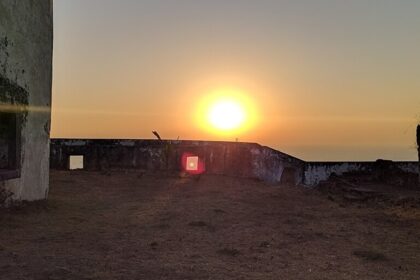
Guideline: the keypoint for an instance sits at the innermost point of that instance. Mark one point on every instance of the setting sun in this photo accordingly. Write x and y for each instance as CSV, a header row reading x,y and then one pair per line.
x,y
226,115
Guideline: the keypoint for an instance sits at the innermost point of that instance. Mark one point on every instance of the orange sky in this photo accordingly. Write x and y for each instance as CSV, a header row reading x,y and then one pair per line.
x,y
327,81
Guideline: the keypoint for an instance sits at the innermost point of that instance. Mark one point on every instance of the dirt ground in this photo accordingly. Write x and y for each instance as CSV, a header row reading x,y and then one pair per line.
x,y
131,226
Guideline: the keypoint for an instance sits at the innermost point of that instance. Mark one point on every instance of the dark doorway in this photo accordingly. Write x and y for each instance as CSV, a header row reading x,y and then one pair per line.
x,y
289,176
9,145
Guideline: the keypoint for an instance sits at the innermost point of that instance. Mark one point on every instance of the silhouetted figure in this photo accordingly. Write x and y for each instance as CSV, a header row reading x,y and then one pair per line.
x,y
418,146
418,140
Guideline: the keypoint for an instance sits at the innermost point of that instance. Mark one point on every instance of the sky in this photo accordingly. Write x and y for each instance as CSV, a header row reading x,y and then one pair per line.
x,y
323,80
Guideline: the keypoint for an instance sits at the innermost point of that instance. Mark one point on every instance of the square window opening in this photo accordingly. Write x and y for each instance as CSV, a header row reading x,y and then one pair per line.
x,y
76,162
192,164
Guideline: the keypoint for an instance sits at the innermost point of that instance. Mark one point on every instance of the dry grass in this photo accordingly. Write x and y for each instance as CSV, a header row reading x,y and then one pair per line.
x,y
126,226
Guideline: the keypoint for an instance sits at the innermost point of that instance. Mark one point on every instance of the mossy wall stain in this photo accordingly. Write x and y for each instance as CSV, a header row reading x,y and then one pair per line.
x,y
12,96
4,54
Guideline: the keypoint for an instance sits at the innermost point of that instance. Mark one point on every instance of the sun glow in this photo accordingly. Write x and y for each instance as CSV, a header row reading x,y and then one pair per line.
x,y
226,112
226,115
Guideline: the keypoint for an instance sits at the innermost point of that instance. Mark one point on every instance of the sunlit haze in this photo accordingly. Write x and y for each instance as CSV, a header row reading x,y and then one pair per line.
x,y
321,80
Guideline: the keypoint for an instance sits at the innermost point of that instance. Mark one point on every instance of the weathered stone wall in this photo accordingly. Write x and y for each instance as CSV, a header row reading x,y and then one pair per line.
x,y
226,158
316,172
26,41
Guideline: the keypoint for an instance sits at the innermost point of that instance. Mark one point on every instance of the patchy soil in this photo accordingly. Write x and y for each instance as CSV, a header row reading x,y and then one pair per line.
x,y
137,226
351,189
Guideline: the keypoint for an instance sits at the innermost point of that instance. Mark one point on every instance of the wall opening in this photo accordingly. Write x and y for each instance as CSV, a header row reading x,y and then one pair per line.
x,y
192,163
10,145
289,176
76,162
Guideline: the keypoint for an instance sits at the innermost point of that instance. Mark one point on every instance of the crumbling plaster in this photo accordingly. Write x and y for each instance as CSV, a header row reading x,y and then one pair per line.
x,y
26,33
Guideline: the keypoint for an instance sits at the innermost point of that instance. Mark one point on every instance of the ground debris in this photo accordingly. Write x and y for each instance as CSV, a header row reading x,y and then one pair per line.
x,y
197,224
232,252
354,189
370,255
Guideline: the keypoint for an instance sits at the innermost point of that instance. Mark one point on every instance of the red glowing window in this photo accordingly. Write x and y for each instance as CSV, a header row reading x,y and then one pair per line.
x,y
192,164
